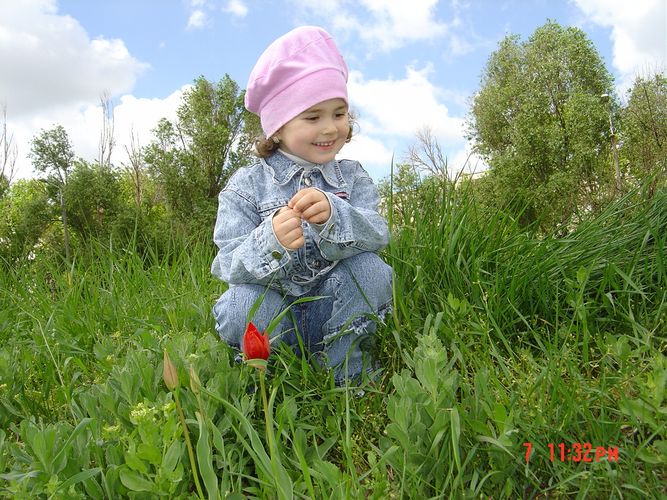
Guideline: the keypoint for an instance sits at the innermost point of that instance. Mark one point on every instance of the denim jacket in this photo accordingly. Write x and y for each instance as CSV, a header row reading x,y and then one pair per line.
x,y
248,250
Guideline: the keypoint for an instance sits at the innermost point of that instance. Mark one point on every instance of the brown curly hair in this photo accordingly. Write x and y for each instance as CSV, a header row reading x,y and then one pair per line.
x,y
265,146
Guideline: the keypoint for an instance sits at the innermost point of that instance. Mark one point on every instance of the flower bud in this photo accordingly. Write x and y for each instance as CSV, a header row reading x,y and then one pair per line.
x,y
169,374
195,383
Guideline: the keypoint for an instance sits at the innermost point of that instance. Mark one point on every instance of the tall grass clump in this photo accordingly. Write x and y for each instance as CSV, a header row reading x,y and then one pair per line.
x,y
502,341
62,321
537,339
448,247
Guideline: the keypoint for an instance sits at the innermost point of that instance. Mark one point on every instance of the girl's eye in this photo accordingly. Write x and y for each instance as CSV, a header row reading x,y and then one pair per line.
x,y
311,118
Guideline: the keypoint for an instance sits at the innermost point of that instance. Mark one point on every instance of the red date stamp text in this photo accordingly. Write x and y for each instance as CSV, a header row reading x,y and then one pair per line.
x,y
577,452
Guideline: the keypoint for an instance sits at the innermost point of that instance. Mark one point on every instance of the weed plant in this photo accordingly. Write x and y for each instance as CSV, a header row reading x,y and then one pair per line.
x,y
499,337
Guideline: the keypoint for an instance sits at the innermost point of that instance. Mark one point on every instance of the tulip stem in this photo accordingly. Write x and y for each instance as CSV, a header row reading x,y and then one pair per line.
x,y
269,429
188,444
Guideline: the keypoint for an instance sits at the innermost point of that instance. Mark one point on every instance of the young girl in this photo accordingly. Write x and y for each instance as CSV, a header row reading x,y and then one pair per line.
x,y
298,223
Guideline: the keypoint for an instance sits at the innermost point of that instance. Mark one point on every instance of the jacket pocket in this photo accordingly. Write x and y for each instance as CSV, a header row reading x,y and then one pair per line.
x,y
268,207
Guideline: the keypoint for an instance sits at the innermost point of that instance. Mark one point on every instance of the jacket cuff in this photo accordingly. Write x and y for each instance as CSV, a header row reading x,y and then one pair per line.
x,y
271,253
331,231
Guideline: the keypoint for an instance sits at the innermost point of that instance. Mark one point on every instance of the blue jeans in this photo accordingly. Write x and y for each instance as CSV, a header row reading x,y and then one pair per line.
x,y
334,328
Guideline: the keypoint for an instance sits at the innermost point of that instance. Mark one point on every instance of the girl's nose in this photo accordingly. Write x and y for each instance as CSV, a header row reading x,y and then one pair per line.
x,y
328,127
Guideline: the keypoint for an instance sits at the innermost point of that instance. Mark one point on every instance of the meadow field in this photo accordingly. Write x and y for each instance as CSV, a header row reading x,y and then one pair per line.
x,y
515,365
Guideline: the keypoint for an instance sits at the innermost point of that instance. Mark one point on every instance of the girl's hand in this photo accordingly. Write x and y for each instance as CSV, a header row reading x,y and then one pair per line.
x,y
287,228
312,205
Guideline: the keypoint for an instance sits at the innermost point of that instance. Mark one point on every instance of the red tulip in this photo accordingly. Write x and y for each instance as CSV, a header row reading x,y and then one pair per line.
x,y
255,345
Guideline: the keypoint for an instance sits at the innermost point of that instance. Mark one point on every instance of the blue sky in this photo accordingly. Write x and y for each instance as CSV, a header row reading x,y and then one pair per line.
x,y
413,64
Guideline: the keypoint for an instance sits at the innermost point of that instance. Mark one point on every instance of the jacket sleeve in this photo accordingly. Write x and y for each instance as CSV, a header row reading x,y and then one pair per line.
x,y
355,225
248,250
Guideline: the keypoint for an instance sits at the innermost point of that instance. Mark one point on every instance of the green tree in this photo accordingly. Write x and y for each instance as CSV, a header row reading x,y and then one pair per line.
x,y
52,154
92,199
539,122
397,193
193,158
4,185
26,213
644,129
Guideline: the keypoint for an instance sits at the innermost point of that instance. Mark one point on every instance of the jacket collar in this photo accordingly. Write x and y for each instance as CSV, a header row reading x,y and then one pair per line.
x,y
282,169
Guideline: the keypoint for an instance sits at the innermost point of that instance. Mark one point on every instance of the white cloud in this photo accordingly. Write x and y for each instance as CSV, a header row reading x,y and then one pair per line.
x,y
638,33
197,19
48,60
385,24
83,125
398,22
459,45
373,154
390,113
403,106
54,73
236,8
139,116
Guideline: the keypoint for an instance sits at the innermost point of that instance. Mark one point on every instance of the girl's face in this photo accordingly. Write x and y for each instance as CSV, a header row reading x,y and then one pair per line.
x,y
317,134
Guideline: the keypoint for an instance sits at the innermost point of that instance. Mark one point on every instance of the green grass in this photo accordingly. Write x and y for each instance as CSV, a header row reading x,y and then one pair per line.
x,y
499,337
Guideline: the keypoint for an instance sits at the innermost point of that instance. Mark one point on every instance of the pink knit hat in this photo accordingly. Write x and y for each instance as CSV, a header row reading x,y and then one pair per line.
x,y
297,71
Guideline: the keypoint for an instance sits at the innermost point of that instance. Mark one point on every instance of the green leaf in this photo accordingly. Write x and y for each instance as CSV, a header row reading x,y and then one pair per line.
x,y
172,456
280,475
205,459
93,488
66,446
652,457
257,363
20,476
43,443
149,452
255,448
134,481
3,456
640,411
326,470
135,463
77,478
454,303
456,434
495,442
582,276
